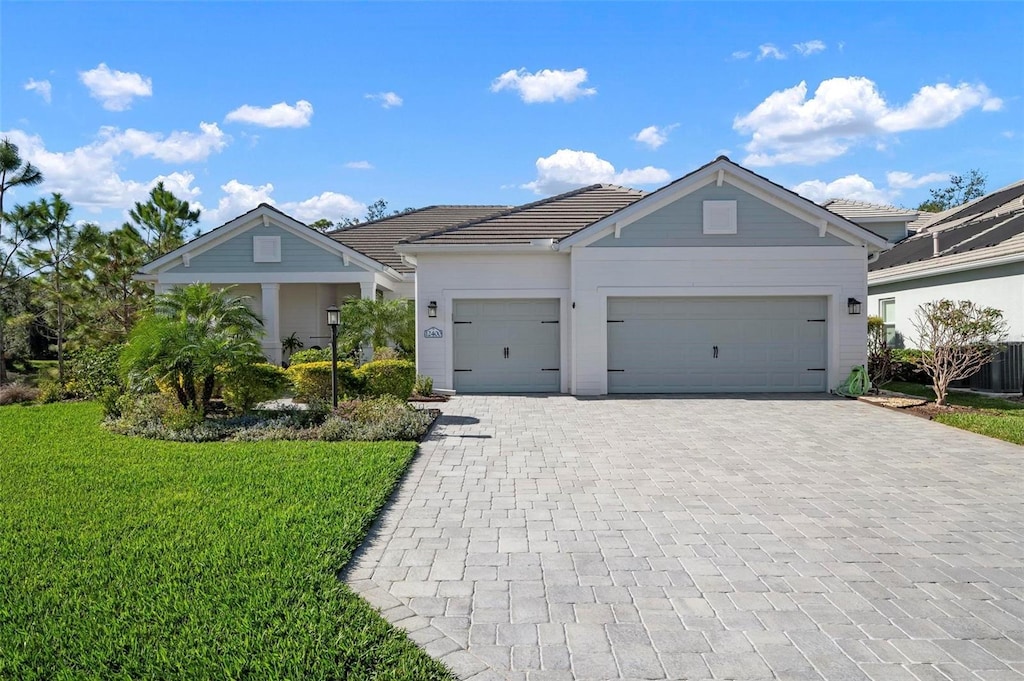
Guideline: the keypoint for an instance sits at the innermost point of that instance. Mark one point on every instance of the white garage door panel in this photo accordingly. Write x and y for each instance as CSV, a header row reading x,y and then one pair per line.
x,y
528,329
764,345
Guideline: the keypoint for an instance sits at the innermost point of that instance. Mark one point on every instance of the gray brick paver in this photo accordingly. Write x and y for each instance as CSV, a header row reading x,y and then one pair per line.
x,y
761,537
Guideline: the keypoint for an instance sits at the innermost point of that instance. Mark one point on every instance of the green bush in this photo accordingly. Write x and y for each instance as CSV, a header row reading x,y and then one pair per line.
x,y
385,352
17,393
381,418
93,370
52,391
245,386
424,386
388,377
309,356
312,381
906,366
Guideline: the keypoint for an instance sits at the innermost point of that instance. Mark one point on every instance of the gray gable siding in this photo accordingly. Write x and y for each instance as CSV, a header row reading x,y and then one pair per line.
x,y
297,255
680,224
892,231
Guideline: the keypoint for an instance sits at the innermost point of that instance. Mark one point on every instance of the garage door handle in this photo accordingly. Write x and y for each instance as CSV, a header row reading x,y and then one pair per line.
x,y
506,353
715,348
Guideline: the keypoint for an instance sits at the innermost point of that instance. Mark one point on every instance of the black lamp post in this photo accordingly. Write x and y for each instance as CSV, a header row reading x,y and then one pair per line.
x,y
333,319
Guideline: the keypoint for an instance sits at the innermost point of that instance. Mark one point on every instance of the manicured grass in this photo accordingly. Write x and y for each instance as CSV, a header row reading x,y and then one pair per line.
x,y
131,558
998,418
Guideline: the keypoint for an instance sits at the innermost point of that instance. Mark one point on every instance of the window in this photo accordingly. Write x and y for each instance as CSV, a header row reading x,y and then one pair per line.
x,y
887,311
719,217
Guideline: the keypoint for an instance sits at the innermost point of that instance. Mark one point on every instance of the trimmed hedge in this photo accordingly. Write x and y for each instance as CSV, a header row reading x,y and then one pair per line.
x,y
312,380
309,356
246,386
388,377
906,366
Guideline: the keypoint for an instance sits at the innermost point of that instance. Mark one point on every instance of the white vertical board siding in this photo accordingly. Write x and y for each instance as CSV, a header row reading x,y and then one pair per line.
x,y
836,273
1001,287
466,276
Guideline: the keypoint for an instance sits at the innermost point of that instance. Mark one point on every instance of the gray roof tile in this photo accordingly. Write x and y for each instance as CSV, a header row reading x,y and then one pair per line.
x,y
555,218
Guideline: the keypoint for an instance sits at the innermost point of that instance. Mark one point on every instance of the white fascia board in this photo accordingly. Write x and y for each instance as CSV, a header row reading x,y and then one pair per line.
x,y
403,249
885,277
263,216
740,178
185,278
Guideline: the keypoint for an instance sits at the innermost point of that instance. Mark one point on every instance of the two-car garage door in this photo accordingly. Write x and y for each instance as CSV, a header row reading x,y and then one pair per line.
x,y
704,345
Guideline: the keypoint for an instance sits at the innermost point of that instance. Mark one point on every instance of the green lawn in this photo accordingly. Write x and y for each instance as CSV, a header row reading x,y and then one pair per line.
x,y
1002,419
130,558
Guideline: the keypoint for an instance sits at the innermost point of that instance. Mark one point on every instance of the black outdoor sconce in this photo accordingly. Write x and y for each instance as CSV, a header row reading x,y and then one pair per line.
x,y
432,309
853,305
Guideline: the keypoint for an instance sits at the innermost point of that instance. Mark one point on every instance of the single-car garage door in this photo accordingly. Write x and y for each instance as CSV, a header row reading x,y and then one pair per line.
x,y
697,345
506,346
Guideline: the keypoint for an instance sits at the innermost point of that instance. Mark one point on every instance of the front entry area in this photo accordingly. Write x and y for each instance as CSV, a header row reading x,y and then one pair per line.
x,y
506,346
708,345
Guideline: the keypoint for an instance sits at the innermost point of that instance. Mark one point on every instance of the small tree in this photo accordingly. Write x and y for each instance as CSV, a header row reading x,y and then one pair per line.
x,y
368,321
880,360
959,338
191,333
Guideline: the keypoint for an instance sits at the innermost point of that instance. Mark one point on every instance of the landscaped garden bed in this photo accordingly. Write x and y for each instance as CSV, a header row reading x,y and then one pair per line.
x,y
998,417
134,558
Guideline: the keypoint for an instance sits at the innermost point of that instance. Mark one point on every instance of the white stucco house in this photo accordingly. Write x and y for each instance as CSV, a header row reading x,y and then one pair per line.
x,y
721,281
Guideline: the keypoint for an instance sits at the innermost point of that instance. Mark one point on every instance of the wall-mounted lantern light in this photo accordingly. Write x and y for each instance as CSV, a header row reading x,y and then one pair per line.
x,y
853,305
432,309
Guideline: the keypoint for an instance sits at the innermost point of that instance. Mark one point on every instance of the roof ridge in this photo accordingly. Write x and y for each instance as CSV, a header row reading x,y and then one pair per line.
x,y
510,211
409,212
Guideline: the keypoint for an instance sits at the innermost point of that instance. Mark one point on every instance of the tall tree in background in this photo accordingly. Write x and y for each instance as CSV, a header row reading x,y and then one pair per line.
x,y
56,237
163,220
13,173
960,190
375,211
107,298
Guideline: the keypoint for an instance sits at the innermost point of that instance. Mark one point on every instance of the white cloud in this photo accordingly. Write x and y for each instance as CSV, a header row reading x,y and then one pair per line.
x,y
769,51
90,175
546,85
386,99
569,169
810,47
850,187
654,136
787,127
42,87
280,115
359,165
115,89
240,198
740,54
177,147
899,179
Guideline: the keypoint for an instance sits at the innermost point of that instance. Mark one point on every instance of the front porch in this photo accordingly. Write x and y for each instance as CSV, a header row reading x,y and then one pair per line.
x,y
298,307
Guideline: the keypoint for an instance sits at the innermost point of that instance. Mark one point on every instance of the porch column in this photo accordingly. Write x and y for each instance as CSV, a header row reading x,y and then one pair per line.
x,y
161,288
367,290
271,323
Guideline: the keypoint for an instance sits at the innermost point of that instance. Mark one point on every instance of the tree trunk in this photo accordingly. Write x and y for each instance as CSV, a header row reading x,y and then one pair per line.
x,y
3,350
208,384
940,388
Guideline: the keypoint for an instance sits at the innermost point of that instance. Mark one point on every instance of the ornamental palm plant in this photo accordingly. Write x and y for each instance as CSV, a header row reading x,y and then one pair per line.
x,y
190,332
367,321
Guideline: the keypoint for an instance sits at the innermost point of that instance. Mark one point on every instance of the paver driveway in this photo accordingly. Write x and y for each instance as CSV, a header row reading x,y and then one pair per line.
x,y
698,538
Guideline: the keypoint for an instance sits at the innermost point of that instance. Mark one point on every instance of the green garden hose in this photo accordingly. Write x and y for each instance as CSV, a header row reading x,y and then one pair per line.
x,y
857,384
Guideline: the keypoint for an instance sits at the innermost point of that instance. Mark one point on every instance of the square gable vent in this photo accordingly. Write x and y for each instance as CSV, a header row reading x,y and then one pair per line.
x,y
266,249
719,217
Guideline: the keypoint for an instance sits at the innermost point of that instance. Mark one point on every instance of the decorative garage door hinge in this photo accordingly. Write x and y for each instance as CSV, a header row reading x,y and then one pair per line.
x,y
616,321
821,369
817,320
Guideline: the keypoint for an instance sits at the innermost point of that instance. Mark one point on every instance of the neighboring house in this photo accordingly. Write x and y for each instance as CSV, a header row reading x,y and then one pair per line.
x,y
971,252
721,281
895,224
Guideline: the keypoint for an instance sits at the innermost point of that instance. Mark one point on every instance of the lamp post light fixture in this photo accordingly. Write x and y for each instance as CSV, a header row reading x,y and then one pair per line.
x,y
333,320
853,305
432,309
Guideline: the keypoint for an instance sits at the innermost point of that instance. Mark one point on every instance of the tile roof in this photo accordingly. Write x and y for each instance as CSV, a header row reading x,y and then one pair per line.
x,y
377,239
989,227
555,218
854,210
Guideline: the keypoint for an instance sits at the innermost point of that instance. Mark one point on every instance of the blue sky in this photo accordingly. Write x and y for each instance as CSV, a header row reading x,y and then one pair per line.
x,y
502,103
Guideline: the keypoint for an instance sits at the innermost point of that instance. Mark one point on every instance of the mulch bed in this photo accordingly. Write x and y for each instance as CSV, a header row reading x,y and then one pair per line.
x,y
428,398
910,404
